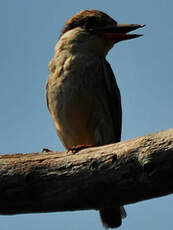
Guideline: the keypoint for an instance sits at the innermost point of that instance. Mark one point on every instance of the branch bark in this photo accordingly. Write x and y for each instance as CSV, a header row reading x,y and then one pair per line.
x,y
123,173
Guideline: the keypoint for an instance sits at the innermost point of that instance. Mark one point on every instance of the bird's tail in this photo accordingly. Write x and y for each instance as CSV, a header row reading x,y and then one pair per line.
x,y
112,217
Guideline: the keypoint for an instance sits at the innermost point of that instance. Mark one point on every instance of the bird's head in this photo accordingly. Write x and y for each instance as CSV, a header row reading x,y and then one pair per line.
x,y
95,31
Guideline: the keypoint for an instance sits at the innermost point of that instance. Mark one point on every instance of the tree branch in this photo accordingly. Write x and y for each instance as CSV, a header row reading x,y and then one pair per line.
x,y
122,173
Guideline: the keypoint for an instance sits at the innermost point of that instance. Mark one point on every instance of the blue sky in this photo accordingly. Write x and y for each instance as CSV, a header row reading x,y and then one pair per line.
x,y
143,69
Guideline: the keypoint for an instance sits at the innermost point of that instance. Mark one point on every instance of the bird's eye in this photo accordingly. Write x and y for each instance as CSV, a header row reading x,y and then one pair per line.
x,y
90,23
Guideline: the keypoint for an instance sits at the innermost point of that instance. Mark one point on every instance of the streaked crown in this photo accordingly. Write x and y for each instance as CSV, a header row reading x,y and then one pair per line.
x,y
89,20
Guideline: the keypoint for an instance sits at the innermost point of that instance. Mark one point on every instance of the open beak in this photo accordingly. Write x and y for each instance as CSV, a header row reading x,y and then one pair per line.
x,y
120,32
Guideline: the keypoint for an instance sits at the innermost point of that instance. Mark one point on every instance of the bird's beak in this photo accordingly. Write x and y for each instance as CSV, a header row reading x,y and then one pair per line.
x,y
120,32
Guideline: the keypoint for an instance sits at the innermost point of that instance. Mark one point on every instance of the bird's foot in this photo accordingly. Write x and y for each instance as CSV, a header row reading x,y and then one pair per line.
x,y
46,150
77,148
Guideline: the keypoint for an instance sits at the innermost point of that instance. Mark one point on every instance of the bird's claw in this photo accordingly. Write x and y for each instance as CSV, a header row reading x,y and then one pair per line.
x,y
46,150
77,148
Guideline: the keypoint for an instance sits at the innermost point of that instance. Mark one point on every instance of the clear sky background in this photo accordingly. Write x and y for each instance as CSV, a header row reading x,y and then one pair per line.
x,y
143,68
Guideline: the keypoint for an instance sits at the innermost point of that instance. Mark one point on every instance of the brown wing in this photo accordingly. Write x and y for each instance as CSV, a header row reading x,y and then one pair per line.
x,y
114,99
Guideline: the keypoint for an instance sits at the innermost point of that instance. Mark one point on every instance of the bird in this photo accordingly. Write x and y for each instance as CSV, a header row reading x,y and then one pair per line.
x,y
82,94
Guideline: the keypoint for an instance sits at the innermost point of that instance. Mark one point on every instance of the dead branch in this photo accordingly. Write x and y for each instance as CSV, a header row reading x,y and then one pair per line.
x,y
122,173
